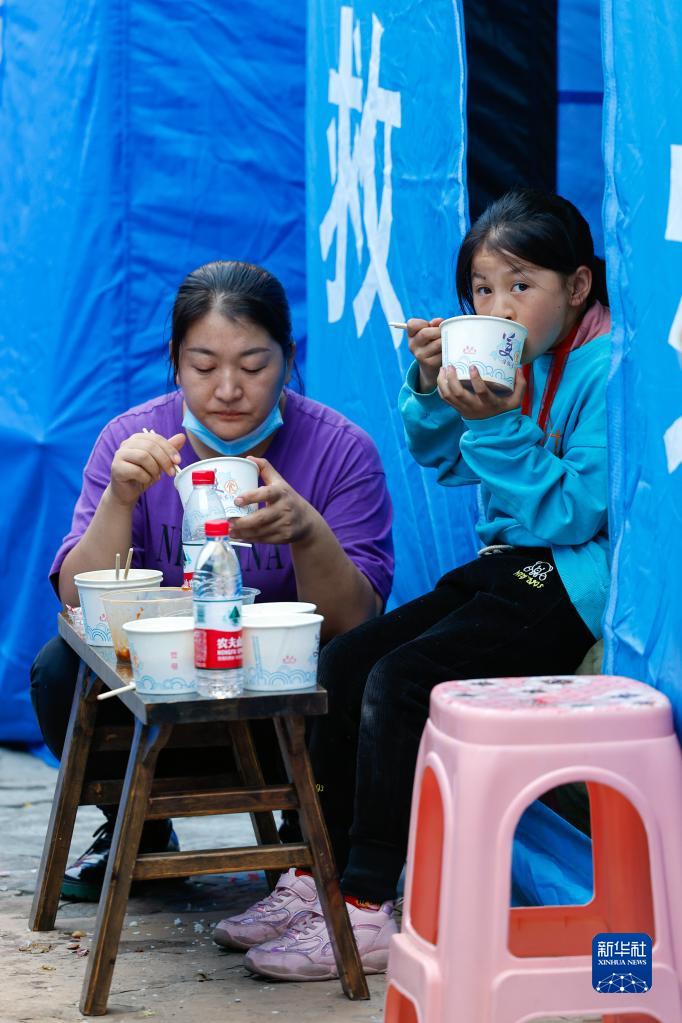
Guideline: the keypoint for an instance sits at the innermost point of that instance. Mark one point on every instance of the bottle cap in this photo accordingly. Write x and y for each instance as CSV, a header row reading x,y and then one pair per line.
x,y
203,476
217,527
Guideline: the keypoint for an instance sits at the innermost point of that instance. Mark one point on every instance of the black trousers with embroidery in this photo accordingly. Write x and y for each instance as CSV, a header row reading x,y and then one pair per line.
x,y
485,619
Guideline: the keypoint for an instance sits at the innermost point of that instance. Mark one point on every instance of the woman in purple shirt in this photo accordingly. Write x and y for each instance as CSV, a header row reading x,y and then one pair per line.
x,y
322,533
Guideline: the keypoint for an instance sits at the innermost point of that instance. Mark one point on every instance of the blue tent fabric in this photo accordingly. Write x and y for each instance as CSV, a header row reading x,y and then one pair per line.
x,y
551,861
643,228
580,88
140,139
386,213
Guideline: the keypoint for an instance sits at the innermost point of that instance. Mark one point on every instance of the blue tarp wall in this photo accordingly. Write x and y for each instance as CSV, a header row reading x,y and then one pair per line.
x,y
643,231
580,89
139,140
387,209
142,138
386,212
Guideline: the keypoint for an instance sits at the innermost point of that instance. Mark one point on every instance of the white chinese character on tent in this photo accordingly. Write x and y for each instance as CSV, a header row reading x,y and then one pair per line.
x,y
672,438
352,165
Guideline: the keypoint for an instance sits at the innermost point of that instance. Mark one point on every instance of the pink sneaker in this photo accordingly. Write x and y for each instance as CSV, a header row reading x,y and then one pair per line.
x,y
271,916
304,951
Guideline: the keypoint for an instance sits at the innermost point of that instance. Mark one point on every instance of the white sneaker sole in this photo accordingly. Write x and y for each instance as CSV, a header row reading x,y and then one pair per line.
x,y
372,962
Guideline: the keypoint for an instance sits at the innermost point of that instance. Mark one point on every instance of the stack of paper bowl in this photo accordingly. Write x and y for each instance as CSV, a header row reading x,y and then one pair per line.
x,y
92,586
280,650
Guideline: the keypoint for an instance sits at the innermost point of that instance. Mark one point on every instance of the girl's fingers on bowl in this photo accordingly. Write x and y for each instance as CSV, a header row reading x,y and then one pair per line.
x,y
425,338
435,348
478,384
415,324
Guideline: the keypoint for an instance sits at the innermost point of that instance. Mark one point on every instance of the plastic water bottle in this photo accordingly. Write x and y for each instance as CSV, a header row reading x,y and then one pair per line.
x,y
217,605
203,504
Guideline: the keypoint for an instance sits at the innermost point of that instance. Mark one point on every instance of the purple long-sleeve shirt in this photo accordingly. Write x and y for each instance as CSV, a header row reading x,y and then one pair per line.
x,y
327,459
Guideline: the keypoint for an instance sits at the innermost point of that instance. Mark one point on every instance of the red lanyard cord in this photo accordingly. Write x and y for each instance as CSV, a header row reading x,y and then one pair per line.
x,y
560,355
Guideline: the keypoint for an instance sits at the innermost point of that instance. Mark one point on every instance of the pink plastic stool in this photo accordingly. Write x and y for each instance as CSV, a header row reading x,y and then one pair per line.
x,y
491,747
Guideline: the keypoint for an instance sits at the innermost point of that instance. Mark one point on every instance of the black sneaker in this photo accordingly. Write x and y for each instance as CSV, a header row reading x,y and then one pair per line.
x,y
84,878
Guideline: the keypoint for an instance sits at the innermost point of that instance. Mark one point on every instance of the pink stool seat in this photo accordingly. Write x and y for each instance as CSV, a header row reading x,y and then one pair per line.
x,y
489,749
546,708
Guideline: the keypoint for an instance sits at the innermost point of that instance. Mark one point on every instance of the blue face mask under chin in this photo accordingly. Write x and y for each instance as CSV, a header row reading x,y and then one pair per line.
x,y
272,422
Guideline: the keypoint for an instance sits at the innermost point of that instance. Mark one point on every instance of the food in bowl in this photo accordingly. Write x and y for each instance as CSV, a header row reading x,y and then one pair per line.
x,y
135,605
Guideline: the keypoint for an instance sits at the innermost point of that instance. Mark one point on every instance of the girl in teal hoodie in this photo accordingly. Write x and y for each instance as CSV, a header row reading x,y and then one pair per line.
x,y
530,604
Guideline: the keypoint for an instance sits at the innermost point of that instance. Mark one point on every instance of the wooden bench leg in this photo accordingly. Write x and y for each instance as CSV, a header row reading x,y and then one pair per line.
x,y
251,774
291,736
66,800
148,741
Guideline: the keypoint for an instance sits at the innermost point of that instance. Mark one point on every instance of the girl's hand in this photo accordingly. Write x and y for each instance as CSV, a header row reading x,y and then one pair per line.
x,y
423,339
140,461
483,402
286,518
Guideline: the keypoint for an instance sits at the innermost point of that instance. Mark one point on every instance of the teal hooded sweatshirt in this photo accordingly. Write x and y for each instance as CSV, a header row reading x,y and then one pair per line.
x,y
537,489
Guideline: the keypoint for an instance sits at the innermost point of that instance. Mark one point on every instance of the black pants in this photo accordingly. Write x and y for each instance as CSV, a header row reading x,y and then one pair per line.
x,y
485,619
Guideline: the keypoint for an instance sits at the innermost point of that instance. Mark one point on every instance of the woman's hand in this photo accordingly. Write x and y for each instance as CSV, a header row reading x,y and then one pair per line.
x,y
140,461
482,402
286,518
423,339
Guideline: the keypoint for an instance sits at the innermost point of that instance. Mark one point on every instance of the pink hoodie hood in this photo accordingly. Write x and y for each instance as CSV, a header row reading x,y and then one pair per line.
x,y
595,322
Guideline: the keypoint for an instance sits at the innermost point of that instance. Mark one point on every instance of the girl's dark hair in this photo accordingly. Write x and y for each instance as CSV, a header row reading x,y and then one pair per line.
x,y
539,227
239,291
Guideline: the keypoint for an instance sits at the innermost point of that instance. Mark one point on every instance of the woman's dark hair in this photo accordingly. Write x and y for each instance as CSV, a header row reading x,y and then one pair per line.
x,y
539,227
239,291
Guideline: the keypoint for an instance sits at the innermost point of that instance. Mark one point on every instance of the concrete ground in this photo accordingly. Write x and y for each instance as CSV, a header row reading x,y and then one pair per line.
x,y
167,968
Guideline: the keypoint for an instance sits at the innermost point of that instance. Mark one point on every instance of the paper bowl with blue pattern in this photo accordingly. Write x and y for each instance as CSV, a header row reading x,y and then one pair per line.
x,y
162,655
281,652
92,586
490,343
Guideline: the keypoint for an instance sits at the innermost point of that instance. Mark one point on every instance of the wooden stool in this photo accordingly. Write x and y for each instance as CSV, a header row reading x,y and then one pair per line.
x,y
182,721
